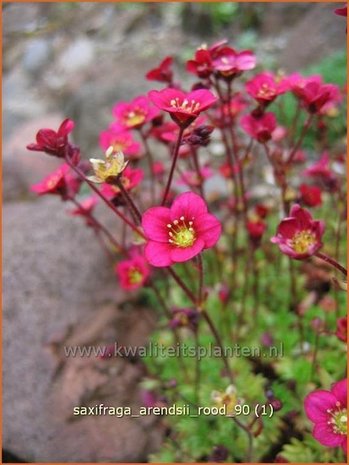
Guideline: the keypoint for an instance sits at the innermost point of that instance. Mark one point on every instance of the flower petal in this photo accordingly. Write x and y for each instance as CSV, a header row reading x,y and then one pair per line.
x,y
317,403
323,433
154,223
189,205
208,228
182,254
158,254
339,390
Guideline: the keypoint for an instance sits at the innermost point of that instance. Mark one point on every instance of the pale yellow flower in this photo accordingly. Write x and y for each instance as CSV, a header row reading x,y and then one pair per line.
x,y
109,169
228,398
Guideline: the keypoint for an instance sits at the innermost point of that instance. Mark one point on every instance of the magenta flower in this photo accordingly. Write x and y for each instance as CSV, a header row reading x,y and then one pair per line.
x,y
136,113
181,232
229,63
61,182
264,88
54,142
132,273
328,411
261,127
299,236
317,97
256,228
86,207
192,178
130,178
121,140
183,107
341,11
163,72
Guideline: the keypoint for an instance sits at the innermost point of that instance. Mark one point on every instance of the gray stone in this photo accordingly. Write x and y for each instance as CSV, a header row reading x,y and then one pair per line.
x,y
77,56
36,55
60,290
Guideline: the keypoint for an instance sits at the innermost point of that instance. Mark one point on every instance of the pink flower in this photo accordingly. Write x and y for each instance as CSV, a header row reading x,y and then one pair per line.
x,y
120,139
181,232
317,97
136,113
158,169
310,195
321,171
192,179
229,63
86,207
130,178
264,88
54,142
61,182
328,411
299,236
260,128
183,107
162,73
132,273
166,132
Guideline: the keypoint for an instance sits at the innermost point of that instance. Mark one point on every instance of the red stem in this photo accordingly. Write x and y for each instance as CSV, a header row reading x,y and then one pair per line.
x,y
332,262
174,161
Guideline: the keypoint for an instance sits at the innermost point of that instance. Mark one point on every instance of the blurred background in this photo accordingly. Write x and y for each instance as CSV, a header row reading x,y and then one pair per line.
x,y
77,60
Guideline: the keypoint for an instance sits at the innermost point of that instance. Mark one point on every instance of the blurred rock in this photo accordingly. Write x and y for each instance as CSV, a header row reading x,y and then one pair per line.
x,y
59,290
36,55
78,55
22,168
316,35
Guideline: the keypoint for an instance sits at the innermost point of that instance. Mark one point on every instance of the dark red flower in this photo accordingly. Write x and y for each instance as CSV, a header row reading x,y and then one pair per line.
x,y
342,329
256,229
201,65
311,196
299,236
341,11
316,97
162,73
54,142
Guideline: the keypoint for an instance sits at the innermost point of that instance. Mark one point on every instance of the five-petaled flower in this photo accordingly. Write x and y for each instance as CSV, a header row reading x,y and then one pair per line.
x,y
162,73
181,232
228,63
261,127
108,170
311,196
54,142
328,411
61,182
183,107
120,139
134,114
264,88
133,272
299,236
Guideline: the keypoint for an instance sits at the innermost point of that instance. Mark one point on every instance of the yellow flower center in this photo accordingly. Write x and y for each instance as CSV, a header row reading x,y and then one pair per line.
x,y
302,241
265,91
190,107
135,276
135,117
338,420
181,233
